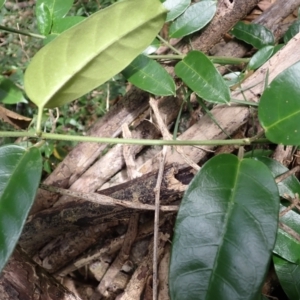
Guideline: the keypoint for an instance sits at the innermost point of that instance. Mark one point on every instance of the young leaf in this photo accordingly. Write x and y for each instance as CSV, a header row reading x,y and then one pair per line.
x,y
254,34
225,231
43,17
175,8
193,19
57,8
9,92
292,31
20,175
150,76
288,275
279,108
260,57
200,75
88,54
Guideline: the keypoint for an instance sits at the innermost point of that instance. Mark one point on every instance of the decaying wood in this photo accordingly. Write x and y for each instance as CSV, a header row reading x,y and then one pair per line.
x,y
84,155
105,288
271,18
50,223
22,279
138,280
228,13
101,252
113,161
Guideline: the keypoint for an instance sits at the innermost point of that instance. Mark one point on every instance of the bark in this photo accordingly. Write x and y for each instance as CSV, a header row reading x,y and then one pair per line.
x,y
228,14
84,155
270,18
22,279
75,214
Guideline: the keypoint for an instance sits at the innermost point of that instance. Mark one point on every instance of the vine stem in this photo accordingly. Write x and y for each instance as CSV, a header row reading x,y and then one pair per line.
x,y
169,45
104,140
223,60
22,32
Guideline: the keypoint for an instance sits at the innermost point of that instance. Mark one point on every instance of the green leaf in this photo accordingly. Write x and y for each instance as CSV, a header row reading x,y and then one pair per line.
x,y
233,78
20,175
61,25
260,57
258,153
150,76
175,8
225,231
279,108
57,8
200,75
88,54
289,186
254,34
2,3
44,19
288,275
9,92
152,47
287,245
193,19
292,31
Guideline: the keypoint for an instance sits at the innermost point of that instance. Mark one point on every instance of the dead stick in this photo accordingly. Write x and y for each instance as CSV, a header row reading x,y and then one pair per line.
x,y
106,200
156,219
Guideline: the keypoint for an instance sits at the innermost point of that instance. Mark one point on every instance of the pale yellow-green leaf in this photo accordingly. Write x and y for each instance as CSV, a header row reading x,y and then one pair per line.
x,y
88,54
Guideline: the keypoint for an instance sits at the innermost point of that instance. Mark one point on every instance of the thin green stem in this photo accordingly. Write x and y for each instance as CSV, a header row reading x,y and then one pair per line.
x,y
223,60
22,32
53,136
39,120
214,59
167,56
249,103
168,44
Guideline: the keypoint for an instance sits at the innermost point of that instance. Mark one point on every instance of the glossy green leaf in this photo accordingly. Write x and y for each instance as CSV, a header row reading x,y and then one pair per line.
x,y
57,8
61,25
288,275
254,34
279,108
44,19
258,153
88,54
20,174
150,76
260,57
2,3
175,8
193,19
286,245
292,31
9,92
225,231
233,78
200,75
152,47
289,186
